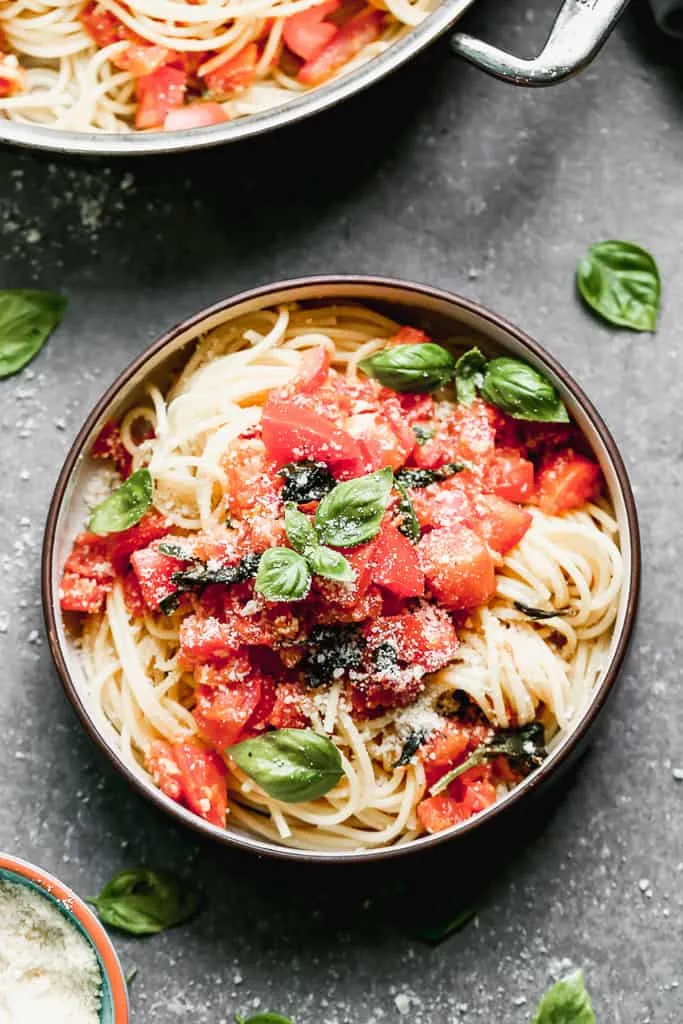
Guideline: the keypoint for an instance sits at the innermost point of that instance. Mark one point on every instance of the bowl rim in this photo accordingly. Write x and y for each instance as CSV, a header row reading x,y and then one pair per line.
x,y
75,907
491,320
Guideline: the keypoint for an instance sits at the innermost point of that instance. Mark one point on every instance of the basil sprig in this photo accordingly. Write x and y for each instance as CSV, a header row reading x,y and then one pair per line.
x,y
567,1002
125,507
469,375
352,513
522,392
411,368
144,902
283,575
620,282
409,524
292,765
27,318
524,749
263,1018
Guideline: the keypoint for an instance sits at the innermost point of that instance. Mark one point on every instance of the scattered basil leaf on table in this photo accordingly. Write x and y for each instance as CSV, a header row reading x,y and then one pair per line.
x,y
263,1018
292,765
331,564
283,575
299,529
412,476
423,434
524,748
539,613
469,375
411,368
409,524
620,282
145,902
306,481
352,512
522,392
567,1002
27,318
125,507
435,932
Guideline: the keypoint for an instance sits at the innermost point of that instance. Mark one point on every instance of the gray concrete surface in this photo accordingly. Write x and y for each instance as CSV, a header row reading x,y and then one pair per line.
x,y
448,177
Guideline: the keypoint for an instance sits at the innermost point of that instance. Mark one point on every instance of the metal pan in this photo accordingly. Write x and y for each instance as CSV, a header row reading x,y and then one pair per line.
x,y
581,28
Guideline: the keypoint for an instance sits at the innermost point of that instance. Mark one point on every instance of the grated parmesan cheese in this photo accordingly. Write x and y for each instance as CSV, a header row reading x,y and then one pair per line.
x,y
48,971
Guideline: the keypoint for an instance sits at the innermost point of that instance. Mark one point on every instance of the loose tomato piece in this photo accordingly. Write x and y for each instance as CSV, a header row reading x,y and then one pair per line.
x,y
509,476
161,764
458,567
223,710
142,58
157,94
154,571
287,712
478,796
566,480
378,441
293,432
90,556
306,33
437,813
397,566
82,594
204,780
409,336
416,410
351,38
12,75
195,115
102,26
109,445
315,362
425,637
151,527
232,76
132,595
446,747
500,523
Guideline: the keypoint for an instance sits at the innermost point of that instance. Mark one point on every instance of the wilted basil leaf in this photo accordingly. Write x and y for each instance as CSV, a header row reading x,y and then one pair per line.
x,y
409,525
567,1002
145,902
125,507
306,481
263,1018
412,476
299,529
469,375
283,575
620,282
423,434
411,368
411,747
522,392
524,748
352,512
292,765
27,318
331,564
539,613
331,650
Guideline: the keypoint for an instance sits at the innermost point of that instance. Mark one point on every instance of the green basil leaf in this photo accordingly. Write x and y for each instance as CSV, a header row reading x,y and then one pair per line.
x,y
620,282
524,749
125,507
410,524
411,368
263,1018
567,1002
306,481
292,765
522,392
27,318
423,434
175,551
331,564
469,375
283,575
352,512
434,932
145,902
299,529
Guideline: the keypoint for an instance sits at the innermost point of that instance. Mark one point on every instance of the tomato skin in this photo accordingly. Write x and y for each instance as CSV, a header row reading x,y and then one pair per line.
x,y
437,813
396,564
307,33
251,483
566,480
501,523
206,639
102,26
409,336
160,762
204,779
201,114
154,571
90,556
315,362
446,747
425,637
142,58
458,567
351,38
292,432
109,445
152,526
82,594
509,476
157,94
287,712
443,504
223,709
234,75
132,595
379,441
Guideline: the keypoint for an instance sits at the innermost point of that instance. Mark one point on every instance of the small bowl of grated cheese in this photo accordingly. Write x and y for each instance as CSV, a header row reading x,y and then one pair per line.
x,y
57,963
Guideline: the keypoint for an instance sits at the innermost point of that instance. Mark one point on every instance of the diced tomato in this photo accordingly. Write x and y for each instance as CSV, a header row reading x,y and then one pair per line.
x,y
508,431
315,362
473,430
132,595
204,780
234,75
478,796
397,566
287,711
437,813
509,476
82,594
109,445
351,38
566,480
446,747
90,556
206,639
541,438
222,711
157,94
264,709
292,432
12,75
405,435
102,26
151,527
378,441
458,567
161,764
154,571
443,504
416,409
425,637
195,115
409,336
501,523
306,33
252,485
142,58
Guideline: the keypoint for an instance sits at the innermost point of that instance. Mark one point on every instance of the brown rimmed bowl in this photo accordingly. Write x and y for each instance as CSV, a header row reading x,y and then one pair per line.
x,y
440,314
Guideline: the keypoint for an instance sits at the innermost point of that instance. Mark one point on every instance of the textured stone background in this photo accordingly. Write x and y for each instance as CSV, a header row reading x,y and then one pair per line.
x,y
446,176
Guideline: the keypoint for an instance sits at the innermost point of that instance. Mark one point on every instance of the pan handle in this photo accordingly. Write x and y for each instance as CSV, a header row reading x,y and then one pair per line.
x,y
581,27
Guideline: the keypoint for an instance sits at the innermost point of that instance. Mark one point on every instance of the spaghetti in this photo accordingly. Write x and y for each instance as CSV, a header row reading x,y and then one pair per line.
x,y
439,674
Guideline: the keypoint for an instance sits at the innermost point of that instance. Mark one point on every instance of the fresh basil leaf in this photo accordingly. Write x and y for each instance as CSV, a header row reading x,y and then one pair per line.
x,y
125,507
306,481
522,392
352,512
539,613
411,476
283,575
411,368
263,1018
27,318
620,282
332,651
423,434
524,748
331,564
567,1002
409,525
292,765
145,902
411,747
299,529
469,375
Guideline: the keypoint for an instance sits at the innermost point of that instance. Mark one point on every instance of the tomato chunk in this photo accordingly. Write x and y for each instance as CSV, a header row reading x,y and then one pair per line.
x,y
397,566
142,58
204,780
425,637
206,639
566,480
293,432
82,594
151,527
458,567
443,504
501,523
287,712
509,476
195,115
109,445
157,94
351,38
306,33
409,336
102,26
315,362
90,556
160,762
437,813
154,571
231,76
222,711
